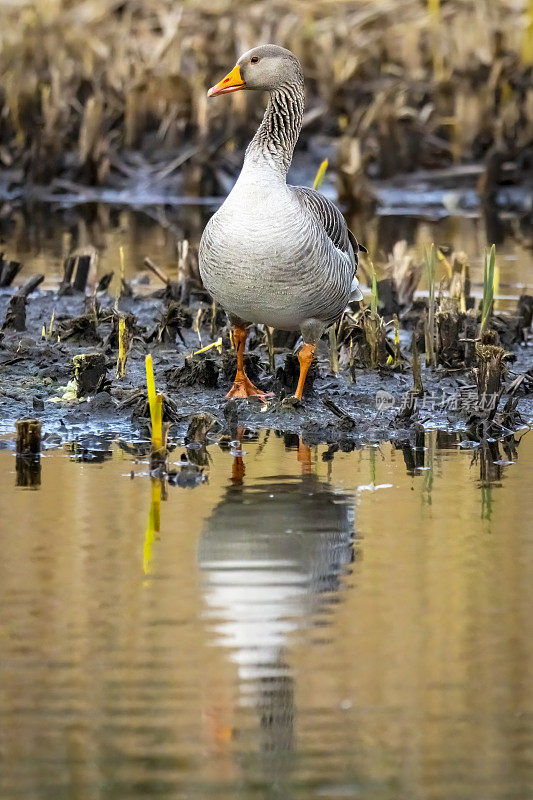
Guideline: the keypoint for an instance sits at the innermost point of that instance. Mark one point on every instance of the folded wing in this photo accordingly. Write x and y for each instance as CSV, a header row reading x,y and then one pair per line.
x,y
333,222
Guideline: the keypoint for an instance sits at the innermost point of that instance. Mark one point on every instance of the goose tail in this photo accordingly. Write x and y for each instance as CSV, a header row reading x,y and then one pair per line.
x,y
355,291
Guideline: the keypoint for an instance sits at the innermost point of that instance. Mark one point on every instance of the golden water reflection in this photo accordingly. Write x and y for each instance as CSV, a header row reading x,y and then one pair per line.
x,y
358,625
43,241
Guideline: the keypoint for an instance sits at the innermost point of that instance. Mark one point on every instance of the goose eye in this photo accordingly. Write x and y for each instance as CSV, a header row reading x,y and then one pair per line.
x,y
254,60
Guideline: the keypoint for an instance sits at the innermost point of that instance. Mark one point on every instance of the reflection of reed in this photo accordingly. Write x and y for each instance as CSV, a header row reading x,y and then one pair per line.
x,y
28,449
432,644
491,469
28,471
272,555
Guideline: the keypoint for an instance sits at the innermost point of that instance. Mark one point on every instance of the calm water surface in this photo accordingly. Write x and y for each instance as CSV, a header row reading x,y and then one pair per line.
x,y
300,625
42,239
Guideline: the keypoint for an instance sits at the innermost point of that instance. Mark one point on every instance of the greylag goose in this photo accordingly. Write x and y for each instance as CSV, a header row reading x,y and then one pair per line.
x,y
276,254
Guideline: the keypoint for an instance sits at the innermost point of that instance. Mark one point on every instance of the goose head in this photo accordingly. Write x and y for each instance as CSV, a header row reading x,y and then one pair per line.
x,y
267,67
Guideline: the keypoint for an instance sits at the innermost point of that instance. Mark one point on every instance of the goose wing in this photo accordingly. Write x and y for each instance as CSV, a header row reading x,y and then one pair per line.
x,y
333,222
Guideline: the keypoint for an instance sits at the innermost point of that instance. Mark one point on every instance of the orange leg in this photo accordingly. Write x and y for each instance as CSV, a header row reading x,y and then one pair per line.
x,y
242,385
305,357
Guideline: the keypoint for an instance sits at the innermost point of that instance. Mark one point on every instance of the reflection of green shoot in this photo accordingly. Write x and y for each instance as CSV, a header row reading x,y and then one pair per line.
x,y
319,177
153,525
486,501
372,466
488,288
428,475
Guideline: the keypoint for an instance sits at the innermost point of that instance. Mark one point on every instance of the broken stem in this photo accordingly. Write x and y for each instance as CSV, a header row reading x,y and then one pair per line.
x,y
333,352
156,270
270,347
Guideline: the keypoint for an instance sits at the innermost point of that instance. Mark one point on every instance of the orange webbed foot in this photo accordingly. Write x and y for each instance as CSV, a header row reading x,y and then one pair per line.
x,y
243,387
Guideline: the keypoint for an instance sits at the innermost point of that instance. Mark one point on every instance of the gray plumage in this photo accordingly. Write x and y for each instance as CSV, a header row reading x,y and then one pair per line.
x,y
277,254
333,221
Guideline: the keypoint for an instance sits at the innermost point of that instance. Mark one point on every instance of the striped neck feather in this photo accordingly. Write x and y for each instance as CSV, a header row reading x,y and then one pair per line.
x,y
278,133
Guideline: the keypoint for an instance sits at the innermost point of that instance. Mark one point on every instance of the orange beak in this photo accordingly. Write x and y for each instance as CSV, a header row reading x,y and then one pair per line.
x,y
231,83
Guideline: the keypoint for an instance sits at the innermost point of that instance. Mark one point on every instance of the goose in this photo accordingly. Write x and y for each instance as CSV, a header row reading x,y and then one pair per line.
x,y
276,254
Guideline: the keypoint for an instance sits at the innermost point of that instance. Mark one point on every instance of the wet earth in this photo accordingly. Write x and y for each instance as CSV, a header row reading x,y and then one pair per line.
x,y
356,406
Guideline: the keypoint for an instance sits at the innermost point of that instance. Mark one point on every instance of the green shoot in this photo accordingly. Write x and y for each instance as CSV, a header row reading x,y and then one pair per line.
x,y
124,341
418,387
487,302
319,178
120,284
197,325
434,8
155,401
374,300
435,17
217,344
527,46
430,325
333,351
397,349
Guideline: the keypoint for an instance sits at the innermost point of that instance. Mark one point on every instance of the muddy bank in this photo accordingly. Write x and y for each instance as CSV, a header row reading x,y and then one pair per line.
x,y
358,405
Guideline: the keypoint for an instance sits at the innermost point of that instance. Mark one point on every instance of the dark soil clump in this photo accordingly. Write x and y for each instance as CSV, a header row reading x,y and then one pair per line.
x,y
196,371
16,314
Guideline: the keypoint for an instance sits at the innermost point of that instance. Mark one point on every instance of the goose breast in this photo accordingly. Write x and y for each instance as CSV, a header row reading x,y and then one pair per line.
x,y
267,261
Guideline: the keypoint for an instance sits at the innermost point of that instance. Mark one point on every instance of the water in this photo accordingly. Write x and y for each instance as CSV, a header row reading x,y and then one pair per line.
x,y
42,239
302,624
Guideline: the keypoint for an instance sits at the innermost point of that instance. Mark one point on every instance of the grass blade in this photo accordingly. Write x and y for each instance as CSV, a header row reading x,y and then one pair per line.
x,y
155,401
430,328
527,45
374,298
319,178
487,303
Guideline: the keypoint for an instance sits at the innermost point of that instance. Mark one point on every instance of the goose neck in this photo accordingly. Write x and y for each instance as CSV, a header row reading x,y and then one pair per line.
x,y
278,133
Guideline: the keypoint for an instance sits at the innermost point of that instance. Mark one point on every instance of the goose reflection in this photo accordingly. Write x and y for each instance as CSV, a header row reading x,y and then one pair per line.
x,y
272,556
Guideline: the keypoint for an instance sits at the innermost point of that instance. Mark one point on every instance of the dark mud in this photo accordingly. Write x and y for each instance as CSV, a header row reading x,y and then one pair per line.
x,y
357,406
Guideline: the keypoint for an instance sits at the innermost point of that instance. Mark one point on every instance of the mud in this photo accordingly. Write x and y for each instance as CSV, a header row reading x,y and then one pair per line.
x,y
356,406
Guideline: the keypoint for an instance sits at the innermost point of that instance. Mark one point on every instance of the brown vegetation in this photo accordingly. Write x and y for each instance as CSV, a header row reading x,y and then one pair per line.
x,y
394,85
